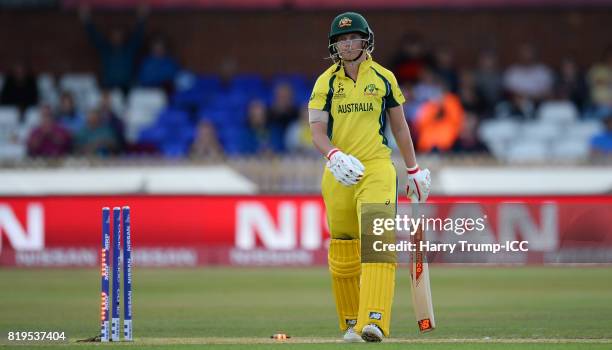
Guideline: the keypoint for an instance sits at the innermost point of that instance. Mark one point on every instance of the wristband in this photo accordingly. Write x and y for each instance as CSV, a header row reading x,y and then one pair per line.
x,y
331,153
413,170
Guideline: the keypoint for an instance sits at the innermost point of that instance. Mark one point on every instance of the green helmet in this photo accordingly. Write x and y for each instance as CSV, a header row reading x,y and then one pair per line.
x,y
350,22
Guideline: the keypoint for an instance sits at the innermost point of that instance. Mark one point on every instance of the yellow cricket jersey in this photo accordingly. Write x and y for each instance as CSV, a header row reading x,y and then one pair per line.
x,y
357,109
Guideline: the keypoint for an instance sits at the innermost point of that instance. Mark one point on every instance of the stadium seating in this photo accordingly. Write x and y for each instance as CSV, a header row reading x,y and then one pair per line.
x,y
83,87
526,151
143,107
12,145
557,112
47,89
168,123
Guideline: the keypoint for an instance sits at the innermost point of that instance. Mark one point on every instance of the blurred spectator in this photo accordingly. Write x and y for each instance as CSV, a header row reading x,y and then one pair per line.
x,y
600,84
468,141
470,96
49,138
117,53
67,115
571,84
96,137
19,88
260,138
227,71
602,143
438,123
488,79
206,143
517,107
430,86
283,110
298,137
158,69
111,119
411,106
445,68
411,59
528,77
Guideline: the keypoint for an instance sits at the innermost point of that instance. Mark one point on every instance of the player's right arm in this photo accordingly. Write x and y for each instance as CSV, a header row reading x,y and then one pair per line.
x,y
318,127
345,168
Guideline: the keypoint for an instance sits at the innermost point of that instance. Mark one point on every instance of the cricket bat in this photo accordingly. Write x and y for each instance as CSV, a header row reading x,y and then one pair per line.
x,y
420,287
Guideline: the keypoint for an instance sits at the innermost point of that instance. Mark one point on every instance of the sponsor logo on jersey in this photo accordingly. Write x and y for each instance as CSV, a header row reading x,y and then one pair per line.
x,y
356,107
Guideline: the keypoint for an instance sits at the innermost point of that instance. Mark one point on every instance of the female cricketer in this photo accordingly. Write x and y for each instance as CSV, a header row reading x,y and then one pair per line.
x,y
350,106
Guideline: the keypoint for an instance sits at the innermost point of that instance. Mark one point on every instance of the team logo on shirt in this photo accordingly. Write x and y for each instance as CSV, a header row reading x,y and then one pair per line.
x,y
345,22
370,90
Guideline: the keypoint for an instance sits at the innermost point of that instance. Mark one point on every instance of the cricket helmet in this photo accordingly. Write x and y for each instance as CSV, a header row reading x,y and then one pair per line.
x,y
349,22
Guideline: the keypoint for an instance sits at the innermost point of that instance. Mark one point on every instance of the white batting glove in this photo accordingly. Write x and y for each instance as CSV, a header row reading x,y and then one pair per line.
x,y
347,169
419,184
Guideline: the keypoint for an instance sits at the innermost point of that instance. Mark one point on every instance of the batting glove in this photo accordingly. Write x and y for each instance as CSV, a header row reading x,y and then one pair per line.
x,y
419,184
347,169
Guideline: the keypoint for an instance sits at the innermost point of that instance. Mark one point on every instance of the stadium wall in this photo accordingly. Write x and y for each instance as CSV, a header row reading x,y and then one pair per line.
x,y
271,42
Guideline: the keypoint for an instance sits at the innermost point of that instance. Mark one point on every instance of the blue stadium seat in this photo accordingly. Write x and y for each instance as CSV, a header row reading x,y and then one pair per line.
x,y
232,139
249,84
173,118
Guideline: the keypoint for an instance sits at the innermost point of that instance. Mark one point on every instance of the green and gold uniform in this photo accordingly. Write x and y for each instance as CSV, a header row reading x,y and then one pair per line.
x,y
357,121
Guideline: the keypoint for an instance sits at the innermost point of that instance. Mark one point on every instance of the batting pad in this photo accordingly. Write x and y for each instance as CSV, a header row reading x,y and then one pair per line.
x,y
376,295
345,267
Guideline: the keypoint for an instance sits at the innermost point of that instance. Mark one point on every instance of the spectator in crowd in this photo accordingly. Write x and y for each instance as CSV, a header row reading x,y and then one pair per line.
x,y
430,86
298,137
206,143
411,106
600,85
283,110
411,59
158,69
67,115
117,53
19,88
445,68
468,141
528,77
96,137
602,143
438,123
227,71
488,79
49,139
516,107
471,99
260,138
571,83
110,118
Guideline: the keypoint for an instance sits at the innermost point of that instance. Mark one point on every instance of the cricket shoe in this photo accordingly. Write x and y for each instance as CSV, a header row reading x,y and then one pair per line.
x,y
372,334
350,336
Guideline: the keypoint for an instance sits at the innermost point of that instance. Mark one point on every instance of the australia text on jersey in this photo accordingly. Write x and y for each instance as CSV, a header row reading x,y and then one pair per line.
x,y
355,107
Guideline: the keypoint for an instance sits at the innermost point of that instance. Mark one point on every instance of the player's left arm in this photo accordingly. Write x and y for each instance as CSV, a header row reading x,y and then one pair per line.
x,y
419,182
401,132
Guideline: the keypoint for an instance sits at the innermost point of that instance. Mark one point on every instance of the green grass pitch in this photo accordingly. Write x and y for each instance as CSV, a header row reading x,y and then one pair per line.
x,y
236,308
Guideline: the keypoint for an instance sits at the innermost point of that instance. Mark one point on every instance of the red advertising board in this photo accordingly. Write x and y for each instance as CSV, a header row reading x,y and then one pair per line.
x,y
252,230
